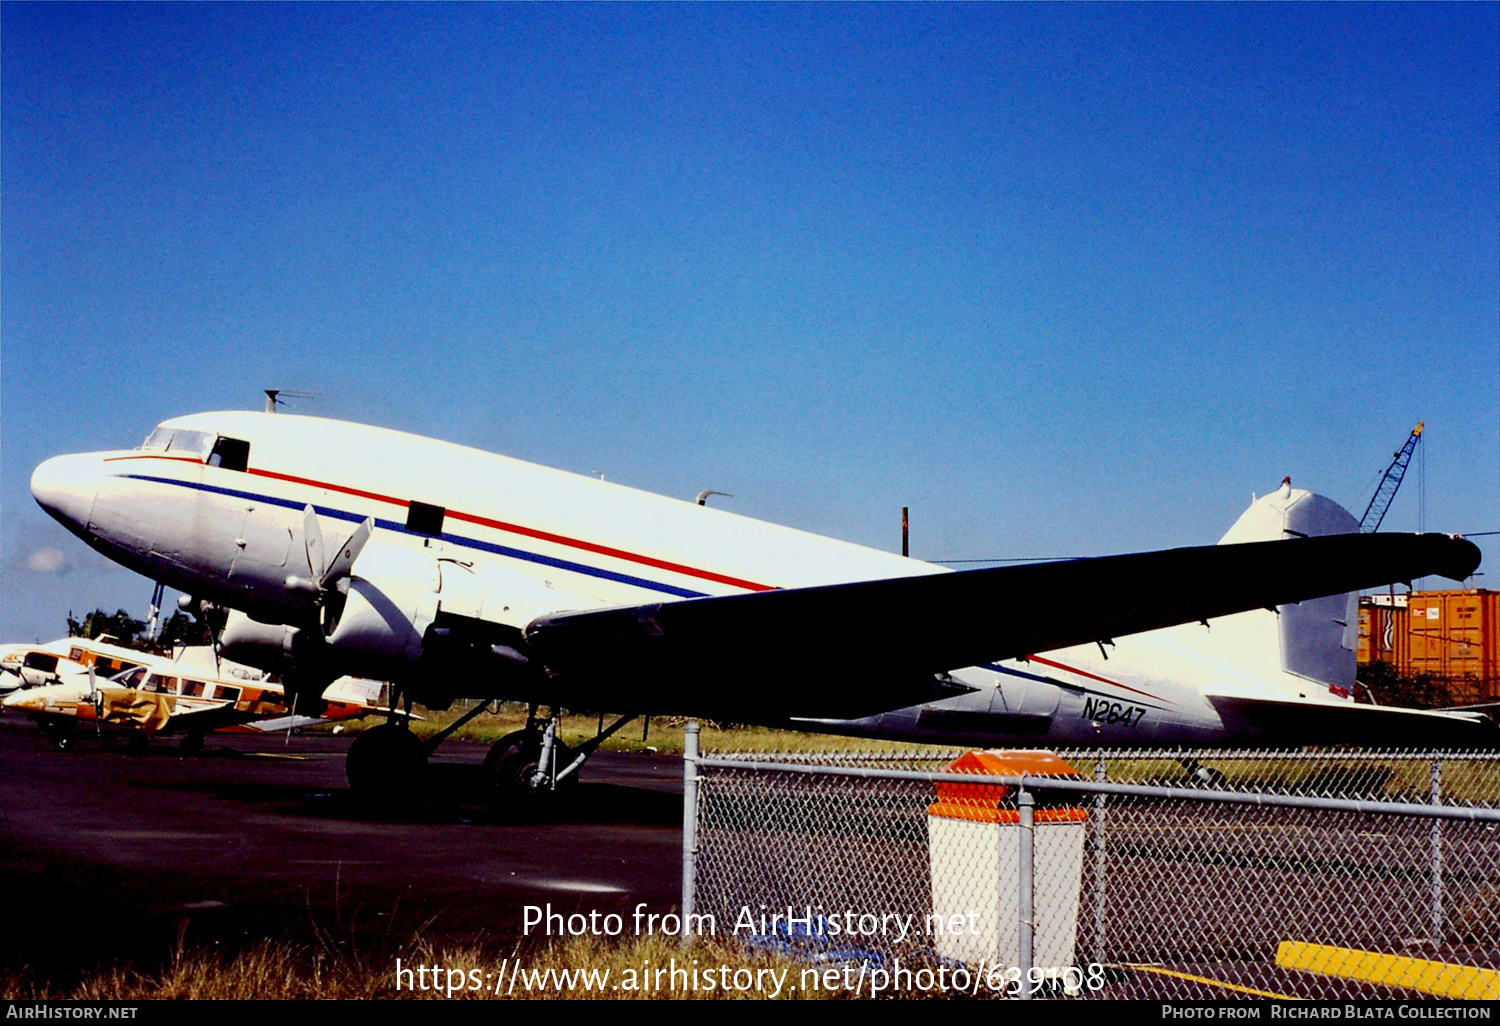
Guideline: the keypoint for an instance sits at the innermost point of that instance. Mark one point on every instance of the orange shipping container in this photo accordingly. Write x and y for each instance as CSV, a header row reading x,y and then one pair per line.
x,y
1377,631
1455,637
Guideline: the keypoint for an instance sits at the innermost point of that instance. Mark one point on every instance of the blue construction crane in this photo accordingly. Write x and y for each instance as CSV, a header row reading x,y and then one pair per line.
x,y
1375,512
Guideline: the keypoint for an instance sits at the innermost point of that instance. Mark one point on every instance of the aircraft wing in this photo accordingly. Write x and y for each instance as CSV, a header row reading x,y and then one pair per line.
x,y
847,650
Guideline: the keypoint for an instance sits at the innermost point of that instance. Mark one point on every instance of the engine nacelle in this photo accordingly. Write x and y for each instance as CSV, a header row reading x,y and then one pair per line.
x,y
390,600
268,646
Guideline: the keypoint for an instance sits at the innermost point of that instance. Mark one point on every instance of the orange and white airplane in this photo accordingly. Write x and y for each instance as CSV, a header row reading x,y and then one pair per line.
x,y
52,662
190,695
452,572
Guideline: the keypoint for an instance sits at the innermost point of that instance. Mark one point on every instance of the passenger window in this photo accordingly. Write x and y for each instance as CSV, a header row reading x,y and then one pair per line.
x,y
226,694
422,518
160,684
41,661
230,454
192,688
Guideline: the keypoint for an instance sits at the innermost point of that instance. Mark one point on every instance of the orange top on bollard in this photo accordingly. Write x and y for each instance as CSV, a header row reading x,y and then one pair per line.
x,y
992,803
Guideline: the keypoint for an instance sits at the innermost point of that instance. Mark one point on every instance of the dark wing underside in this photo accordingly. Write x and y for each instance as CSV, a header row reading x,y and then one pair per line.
x,y
855,649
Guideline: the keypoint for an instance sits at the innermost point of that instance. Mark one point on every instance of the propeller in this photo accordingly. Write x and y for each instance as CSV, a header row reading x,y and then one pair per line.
x,y
210,616
96,699
312,541
328,579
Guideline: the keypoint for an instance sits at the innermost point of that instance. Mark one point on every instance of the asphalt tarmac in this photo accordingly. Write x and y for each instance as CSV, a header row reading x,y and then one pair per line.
x,y
109,856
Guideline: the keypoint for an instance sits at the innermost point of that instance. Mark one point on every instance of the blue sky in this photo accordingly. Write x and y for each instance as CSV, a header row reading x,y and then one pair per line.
x,y
1064,279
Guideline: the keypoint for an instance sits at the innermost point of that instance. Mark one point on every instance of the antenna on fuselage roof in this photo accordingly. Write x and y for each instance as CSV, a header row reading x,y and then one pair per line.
x,y
273,399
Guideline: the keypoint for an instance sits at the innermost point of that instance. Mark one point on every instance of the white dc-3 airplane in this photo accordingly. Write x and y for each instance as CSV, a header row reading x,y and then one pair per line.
x,y
460,573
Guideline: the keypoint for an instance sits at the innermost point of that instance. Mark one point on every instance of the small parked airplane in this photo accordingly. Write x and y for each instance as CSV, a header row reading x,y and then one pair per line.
x,y
161,696
461,573
38,665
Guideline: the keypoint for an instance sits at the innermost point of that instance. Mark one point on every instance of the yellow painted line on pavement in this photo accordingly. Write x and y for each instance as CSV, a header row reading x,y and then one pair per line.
x,y
1211,983
1442,979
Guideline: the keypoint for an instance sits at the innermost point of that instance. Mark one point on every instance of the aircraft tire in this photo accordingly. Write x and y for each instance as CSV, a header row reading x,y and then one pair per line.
x,y
385,763
512,761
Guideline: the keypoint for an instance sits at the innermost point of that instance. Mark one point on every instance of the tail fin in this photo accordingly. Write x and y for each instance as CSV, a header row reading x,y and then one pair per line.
x,y
1316,638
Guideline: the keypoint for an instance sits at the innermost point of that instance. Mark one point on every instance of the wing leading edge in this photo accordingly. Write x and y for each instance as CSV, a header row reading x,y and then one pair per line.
x,y
854,649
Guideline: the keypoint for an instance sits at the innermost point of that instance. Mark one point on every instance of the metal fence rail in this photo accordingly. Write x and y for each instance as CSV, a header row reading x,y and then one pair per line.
x,y
1330,875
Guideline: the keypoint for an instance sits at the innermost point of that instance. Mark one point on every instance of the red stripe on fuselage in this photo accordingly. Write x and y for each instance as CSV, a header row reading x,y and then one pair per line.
x,y
1085,673
179,459
500,525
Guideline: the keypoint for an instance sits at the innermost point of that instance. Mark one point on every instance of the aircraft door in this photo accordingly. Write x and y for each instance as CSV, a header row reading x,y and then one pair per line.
x,y
263,542
1020,697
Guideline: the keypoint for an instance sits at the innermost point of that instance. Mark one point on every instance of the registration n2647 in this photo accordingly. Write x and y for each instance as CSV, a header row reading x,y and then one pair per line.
x,y
1105,710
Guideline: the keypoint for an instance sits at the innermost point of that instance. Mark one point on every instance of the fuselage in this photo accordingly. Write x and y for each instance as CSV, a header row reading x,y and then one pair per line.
x,y
214,505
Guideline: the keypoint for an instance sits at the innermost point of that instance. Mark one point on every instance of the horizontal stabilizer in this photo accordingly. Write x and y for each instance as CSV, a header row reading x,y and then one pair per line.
x,y
1316,723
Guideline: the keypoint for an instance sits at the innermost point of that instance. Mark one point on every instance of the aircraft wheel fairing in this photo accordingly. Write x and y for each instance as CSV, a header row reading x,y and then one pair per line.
x,y
387,761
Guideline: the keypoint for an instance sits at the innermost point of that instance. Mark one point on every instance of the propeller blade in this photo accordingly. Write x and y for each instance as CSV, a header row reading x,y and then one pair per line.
x,y
96,700
348,554
312,539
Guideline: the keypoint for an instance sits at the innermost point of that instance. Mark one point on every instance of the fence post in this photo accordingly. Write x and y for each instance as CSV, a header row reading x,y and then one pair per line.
x,y
689,824
1100,774
1435,796
1027,909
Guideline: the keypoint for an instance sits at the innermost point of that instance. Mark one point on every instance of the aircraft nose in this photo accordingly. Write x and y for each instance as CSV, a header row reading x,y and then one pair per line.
x,y
65,486
21,700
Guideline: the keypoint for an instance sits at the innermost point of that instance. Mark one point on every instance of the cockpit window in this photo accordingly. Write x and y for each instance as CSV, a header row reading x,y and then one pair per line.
x,y
196,443
158,439
180,440
130,678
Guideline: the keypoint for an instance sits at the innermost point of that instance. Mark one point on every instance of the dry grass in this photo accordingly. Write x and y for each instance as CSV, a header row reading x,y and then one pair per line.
x,y
1405,778
665,735
270,971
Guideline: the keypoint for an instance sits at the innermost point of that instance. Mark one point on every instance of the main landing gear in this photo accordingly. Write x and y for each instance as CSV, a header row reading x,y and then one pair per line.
x,y
388,762
1207,776
535,761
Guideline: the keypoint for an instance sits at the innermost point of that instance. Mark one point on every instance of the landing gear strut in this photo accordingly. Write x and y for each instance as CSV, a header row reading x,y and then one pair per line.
x,y
534,761
1205,775
388,762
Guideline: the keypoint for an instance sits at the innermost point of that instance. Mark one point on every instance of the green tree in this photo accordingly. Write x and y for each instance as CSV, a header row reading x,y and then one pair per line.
x,y
181,629
120,626
1384,686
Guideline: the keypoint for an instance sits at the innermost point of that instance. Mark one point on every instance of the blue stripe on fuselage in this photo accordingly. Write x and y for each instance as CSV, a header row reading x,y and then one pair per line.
x,y
1060,684
455,539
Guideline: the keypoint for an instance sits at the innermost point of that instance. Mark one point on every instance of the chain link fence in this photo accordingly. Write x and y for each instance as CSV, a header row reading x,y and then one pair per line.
x,y
1153,874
